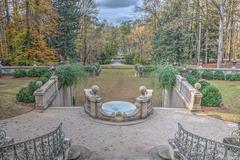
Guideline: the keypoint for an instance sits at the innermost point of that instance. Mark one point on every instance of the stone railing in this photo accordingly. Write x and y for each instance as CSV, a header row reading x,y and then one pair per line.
x,y
186,146
221,69
53,145
191,96
45,95
51,95
9,70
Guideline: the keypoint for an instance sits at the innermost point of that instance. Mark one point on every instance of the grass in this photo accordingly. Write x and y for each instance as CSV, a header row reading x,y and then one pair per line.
x,y
9,107
231,99
117,84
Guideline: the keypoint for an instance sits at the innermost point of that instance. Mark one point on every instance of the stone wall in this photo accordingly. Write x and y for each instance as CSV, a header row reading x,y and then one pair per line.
x,y
9,70
51,95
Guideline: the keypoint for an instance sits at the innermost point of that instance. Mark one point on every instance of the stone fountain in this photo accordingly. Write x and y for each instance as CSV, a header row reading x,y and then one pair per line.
x,y
118,111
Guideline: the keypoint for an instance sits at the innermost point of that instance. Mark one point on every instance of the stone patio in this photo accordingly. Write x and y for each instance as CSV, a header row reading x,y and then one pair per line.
x,y
107,139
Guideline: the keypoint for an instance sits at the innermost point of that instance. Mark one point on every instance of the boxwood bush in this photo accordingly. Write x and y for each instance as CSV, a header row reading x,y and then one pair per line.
x,y
26,94
211,96
219,75
18,73
192,79
207,74
195,73
233,77
204,84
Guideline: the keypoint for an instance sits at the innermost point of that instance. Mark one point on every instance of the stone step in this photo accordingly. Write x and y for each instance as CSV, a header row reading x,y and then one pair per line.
x,y
82,153
120,157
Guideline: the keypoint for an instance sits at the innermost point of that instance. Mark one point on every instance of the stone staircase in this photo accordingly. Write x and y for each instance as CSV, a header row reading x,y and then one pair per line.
x,y
156,153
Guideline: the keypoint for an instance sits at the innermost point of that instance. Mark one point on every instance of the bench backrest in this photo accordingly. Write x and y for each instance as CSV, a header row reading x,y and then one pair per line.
x,y
191,146
45,147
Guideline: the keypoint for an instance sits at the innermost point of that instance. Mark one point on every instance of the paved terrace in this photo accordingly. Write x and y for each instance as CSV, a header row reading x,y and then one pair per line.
x,y
108,139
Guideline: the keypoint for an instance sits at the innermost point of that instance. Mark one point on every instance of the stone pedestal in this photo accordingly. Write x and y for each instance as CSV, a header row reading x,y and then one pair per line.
x,y
92,101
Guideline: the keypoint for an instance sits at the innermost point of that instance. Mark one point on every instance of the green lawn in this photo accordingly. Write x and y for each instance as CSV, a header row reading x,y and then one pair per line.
x,y
8,104
231,99
117,84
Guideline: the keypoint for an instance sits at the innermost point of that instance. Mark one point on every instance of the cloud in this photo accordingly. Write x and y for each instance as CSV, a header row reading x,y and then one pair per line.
x,y
116,3
116,11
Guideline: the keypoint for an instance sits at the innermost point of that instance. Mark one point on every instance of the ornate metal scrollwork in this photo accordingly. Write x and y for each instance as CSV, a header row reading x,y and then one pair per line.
x,y
46,147
191,146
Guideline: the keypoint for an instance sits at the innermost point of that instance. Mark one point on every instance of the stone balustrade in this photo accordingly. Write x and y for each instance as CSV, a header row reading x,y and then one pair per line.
x,y
188,94
45,95
51,95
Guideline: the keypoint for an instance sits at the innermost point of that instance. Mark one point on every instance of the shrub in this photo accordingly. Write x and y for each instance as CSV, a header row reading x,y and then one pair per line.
x,y
38,72
195,73
211,96
238,77
148,68
32,73
167,76
231,77
43,79
204,84
5,61
18,73
26,94
192,79
207,75
219,75
89,68
0,72
69,73
129,59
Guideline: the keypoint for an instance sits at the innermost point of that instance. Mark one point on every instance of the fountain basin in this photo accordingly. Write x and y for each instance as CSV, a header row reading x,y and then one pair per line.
x,y
115,107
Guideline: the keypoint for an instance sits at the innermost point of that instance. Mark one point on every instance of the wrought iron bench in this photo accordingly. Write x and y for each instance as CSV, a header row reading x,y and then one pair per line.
x,y
235,138
52,146
4,140
188,146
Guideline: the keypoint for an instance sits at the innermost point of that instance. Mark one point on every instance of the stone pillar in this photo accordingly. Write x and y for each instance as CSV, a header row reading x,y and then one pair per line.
x,y
143,102
92,101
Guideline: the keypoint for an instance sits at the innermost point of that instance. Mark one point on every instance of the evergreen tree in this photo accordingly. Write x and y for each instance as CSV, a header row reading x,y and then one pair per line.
x,y
69,14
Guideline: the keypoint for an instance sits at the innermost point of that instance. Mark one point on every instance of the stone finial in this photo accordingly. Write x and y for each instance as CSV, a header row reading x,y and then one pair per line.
x,y
198,86
143,90
39,84
95,89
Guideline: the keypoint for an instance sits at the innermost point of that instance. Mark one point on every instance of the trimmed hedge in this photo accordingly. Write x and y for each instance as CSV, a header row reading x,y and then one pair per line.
x,y
37,72
233,77
19,73
207,74
219,75
211,96
204,84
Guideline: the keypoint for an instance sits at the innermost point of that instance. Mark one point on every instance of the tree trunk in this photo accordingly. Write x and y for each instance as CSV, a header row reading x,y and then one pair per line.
x,y
231,33
207,33
28,22
221,34
7,11
199,32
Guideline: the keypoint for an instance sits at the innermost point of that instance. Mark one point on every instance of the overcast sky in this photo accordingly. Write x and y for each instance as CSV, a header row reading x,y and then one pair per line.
x,y
116,11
